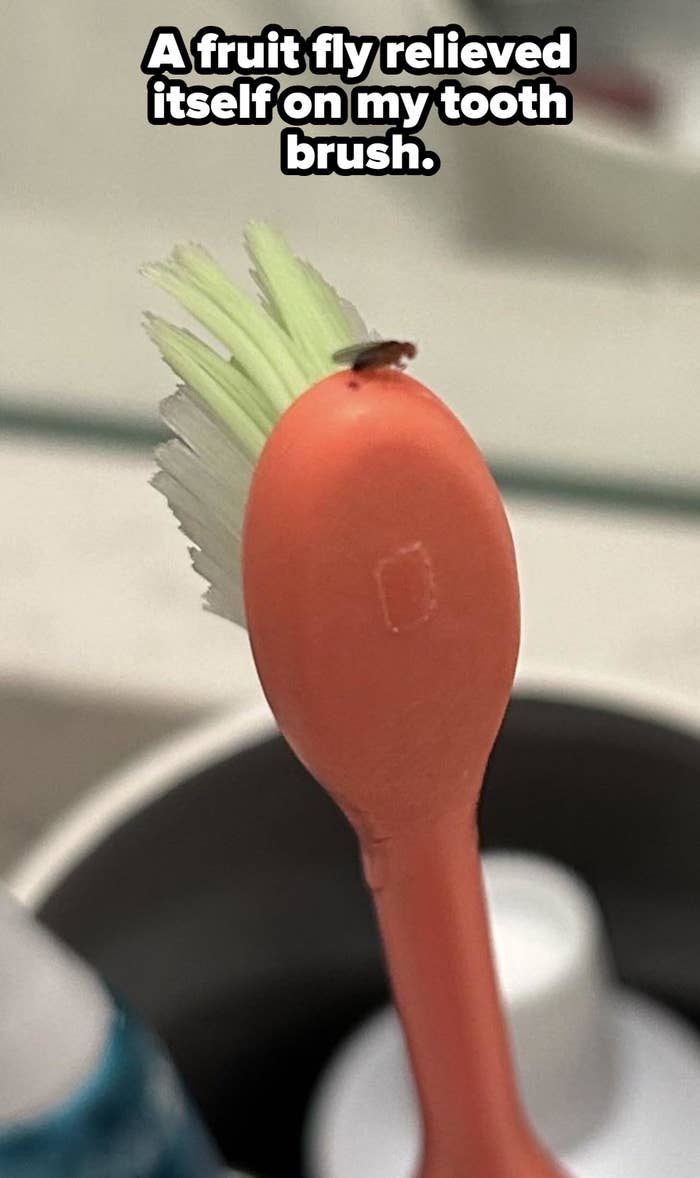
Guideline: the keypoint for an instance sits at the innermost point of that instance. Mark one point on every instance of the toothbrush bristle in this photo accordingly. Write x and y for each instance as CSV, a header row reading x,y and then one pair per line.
x,y
227,406
205,477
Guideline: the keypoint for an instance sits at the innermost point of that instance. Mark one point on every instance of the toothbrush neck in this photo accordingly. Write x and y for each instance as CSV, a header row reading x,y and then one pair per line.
x,y
429,899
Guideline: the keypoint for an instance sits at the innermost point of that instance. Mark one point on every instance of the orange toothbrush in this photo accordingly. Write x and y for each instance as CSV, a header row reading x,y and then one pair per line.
x,y
381,598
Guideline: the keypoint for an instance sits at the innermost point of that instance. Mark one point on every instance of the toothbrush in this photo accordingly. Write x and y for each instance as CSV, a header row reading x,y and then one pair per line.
x,y
381,598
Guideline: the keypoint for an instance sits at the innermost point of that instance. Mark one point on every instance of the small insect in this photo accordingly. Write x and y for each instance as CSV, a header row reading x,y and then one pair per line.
x,y
388,353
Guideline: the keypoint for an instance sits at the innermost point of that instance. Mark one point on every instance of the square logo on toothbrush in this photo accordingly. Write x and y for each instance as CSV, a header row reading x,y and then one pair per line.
x,y
406,587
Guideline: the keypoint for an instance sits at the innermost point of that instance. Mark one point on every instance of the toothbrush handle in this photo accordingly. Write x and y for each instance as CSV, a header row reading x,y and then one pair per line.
x,y
428,894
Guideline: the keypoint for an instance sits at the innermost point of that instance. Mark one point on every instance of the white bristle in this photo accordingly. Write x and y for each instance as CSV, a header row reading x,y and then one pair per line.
x,y
222,501
207,437
226,605
191,517
224,594
217,542
206,477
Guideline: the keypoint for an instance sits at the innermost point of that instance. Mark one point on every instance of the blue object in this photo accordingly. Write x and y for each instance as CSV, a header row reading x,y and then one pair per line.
x,y
129,1119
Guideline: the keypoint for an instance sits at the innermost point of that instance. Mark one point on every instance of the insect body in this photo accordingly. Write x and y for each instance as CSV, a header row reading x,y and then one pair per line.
x,y
376,354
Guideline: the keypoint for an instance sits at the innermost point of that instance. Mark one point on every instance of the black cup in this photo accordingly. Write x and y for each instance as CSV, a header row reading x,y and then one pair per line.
x,y
231,912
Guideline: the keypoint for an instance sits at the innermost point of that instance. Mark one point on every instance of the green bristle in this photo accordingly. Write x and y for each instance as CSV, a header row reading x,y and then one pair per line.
x,y
228,395
280,347
275,349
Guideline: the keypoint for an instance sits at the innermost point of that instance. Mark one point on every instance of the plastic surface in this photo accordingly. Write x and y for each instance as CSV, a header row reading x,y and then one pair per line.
x,y
552,962
48,1000
85,1090
128,1119
381,598
610,1080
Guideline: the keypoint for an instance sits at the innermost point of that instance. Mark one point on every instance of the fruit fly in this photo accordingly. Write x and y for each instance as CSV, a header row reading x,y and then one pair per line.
x,y
376,354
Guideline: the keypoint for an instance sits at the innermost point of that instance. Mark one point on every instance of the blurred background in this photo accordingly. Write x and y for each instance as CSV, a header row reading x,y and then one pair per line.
x,y
550,276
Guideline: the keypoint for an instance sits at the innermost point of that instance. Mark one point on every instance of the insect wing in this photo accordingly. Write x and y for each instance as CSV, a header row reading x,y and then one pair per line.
x,y
350,354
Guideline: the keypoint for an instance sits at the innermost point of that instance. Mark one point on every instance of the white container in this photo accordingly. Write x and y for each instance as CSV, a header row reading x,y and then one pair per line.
x,y
610,1081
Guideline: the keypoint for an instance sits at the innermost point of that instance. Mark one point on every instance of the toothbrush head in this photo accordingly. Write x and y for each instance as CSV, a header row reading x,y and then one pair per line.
x,y
381,597
380,584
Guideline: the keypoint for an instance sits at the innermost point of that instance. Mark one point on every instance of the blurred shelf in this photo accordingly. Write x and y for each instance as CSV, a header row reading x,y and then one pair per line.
x,y
98,594
131,432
